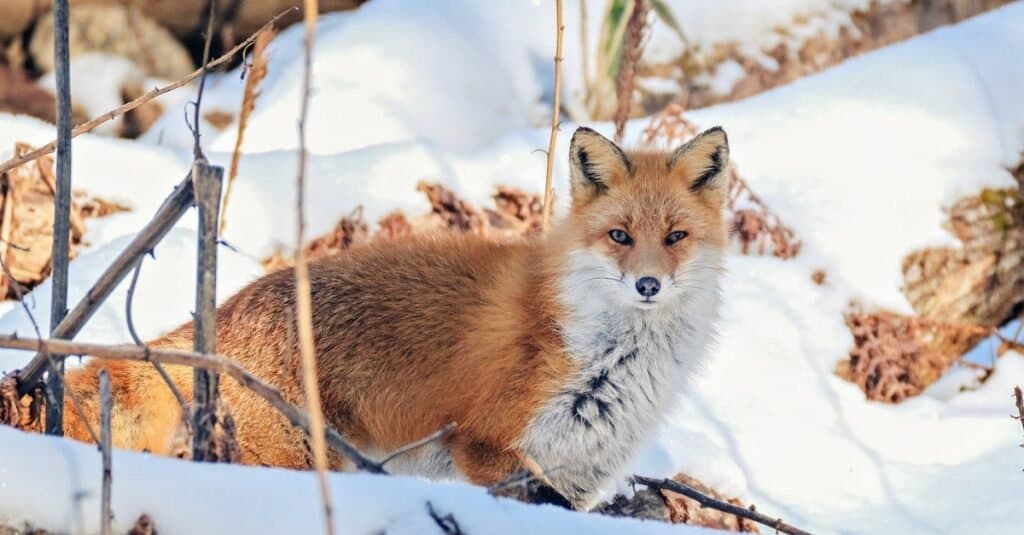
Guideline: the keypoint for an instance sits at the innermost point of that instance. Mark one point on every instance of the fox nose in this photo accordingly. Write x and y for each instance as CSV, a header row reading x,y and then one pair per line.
x,y
648,286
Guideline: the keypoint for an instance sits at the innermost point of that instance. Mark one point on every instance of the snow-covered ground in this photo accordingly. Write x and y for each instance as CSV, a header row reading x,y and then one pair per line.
x,y
859,160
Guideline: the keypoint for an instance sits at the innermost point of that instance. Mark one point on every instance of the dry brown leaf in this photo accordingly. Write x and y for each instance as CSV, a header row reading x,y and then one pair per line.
x,y
26,220
896,356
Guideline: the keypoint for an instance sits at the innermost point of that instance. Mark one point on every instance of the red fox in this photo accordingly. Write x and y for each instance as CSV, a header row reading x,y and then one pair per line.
x,y
559,353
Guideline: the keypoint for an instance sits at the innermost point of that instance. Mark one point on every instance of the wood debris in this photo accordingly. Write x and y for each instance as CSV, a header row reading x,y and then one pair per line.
x,y
654,504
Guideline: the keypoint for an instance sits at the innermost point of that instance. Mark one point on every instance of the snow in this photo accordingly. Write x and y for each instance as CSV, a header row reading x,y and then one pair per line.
x,y
62,485
99,79
859,160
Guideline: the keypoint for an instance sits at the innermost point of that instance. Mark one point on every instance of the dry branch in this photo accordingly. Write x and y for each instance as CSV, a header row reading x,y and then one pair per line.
x,y
707,501
440,434
129,319
106,409
217,363
128,106
555,112
206,185
304,299
166,216
255,72
207,182
61,213
632,48
1018,397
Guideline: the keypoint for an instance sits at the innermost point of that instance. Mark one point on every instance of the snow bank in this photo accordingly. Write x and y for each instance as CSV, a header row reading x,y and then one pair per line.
x,y
859,160
57,484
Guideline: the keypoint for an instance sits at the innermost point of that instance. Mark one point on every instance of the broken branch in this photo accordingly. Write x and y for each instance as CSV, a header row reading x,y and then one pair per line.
x,y
707,501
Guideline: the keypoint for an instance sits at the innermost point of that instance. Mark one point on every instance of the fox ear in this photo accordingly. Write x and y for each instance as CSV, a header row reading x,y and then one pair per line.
x,y
701,162
595,163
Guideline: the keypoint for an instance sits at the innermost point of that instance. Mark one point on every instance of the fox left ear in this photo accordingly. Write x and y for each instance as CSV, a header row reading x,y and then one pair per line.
x,y
702,161
595,165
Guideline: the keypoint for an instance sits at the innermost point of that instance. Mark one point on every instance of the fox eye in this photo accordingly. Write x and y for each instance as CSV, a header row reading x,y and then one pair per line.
x,y
620,237
676,236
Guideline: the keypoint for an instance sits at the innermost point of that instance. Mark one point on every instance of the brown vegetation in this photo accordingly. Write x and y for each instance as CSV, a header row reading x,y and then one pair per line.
x,y
960,294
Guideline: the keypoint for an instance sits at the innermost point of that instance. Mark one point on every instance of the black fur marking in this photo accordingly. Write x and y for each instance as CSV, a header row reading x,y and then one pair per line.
x,y
625,359
710,172
548,495
587,168
577,407
599,381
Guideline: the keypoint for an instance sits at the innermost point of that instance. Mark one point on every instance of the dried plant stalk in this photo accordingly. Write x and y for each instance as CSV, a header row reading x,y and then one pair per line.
x,y
303,305
632,48
256,72
555,112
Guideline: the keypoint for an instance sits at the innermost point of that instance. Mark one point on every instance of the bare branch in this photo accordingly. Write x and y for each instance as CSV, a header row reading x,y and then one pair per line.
x,y
61,212
106,409
129,106
138,341
217,363
197,150
207,182
1018,396
707,501
556,109
440,434
303,301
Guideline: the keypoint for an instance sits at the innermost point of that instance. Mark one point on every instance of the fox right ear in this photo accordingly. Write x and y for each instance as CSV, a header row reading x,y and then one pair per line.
x,y
595,163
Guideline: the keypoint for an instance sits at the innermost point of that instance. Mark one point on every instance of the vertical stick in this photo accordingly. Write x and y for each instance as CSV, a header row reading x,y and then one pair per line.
x,y
303,301
207,181
556,110
106,409
61,213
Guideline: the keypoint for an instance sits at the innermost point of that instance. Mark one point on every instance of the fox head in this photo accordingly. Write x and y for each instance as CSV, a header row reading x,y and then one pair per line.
x,y
646,227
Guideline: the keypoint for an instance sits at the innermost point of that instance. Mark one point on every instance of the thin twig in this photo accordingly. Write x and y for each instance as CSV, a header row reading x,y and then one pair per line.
x,y
129,106
60,255
224,365
303,302
555,113
440,434
1018,396
706,501
197,150
106,409
138,341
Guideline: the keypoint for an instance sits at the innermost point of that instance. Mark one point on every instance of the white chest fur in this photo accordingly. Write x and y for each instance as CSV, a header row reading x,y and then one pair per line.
x,y
633,364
